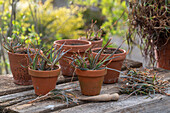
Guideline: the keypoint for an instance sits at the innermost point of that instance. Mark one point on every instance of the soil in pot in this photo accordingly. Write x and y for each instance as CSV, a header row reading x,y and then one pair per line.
x,y
74,46
44,81
112,76
20,74
91,81
96,43
109,51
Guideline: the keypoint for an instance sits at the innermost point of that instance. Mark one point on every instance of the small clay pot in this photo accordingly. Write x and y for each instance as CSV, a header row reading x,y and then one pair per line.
x,y
163,56
20,74
112,76
95,43
91,81
44,81
74,46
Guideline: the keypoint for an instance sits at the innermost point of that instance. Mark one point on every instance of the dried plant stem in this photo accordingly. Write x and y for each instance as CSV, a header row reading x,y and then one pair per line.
x,y
143,83
39,98
148,26
131,94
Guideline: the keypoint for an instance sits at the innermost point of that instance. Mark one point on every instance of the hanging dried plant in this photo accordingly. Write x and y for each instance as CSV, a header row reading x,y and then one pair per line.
x,y
150,20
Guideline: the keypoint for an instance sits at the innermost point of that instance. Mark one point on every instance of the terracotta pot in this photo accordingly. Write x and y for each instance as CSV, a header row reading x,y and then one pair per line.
x,y
91,81
163,57
20,74
66,68
96,44
112,76
44,81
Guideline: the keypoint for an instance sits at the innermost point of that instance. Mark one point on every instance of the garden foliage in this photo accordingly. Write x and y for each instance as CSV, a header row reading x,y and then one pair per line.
x,y
47,21
111,10
41,22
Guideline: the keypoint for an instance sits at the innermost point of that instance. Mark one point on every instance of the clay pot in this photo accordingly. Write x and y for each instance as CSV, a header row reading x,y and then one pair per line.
x,y
96,44
163,56
20,74
91,81
44,81
112,76
81,47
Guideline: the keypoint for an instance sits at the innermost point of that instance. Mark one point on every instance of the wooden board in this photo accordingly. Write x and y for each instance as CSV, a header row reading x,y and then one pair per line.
x,y
131,64
135,104
7,86
16,101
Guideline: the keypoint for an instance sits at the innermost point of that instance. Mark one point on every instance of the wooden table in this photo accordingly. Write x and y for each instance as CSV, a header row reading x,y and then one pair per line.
x,y
15,98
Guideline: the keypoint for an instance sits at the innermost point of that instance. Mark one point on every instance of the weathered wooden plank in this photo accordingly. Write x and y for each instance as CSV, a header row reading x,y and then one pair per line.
x,y
15,101
159,104
8,87
15,95
51,105
10,99
131,64
39,107
18,102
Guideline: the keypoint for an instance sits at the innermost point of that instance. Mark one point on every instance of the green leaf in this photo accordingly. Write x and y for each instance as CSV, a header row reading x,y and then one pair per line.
x,y
115,70
30,59
35,60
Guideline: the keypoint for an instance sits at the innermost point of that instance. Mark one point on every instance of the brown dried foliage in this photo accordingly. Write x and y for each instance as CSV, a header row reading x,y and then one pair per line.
x,y
150,20
145,82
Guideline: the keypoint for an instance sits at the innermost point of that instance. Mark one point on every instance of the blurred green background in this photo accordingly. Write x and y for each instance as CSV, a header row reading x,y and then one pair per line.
x,y
48,20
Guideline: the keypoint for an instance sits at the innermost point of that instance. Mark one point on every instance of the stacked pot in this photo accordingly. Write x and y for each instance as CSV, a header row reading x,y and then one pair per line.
x,y
94,77
74,46
112,76
90,81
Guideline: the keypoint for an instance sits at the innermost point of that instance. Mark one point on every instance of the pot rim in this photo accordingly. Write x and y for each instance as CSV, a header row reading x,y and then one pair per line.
x,y
73,48
17,54
81,38
97,40
63,40
122,50
122,56
44,74
22,54
91,73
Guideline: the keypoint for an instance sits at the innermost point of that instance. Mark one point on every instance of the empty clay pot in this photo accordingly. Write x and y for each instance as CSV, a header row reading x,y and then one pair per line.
x,y
96,43
163,56
20,74
74,46
112,76
44,81
91,81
